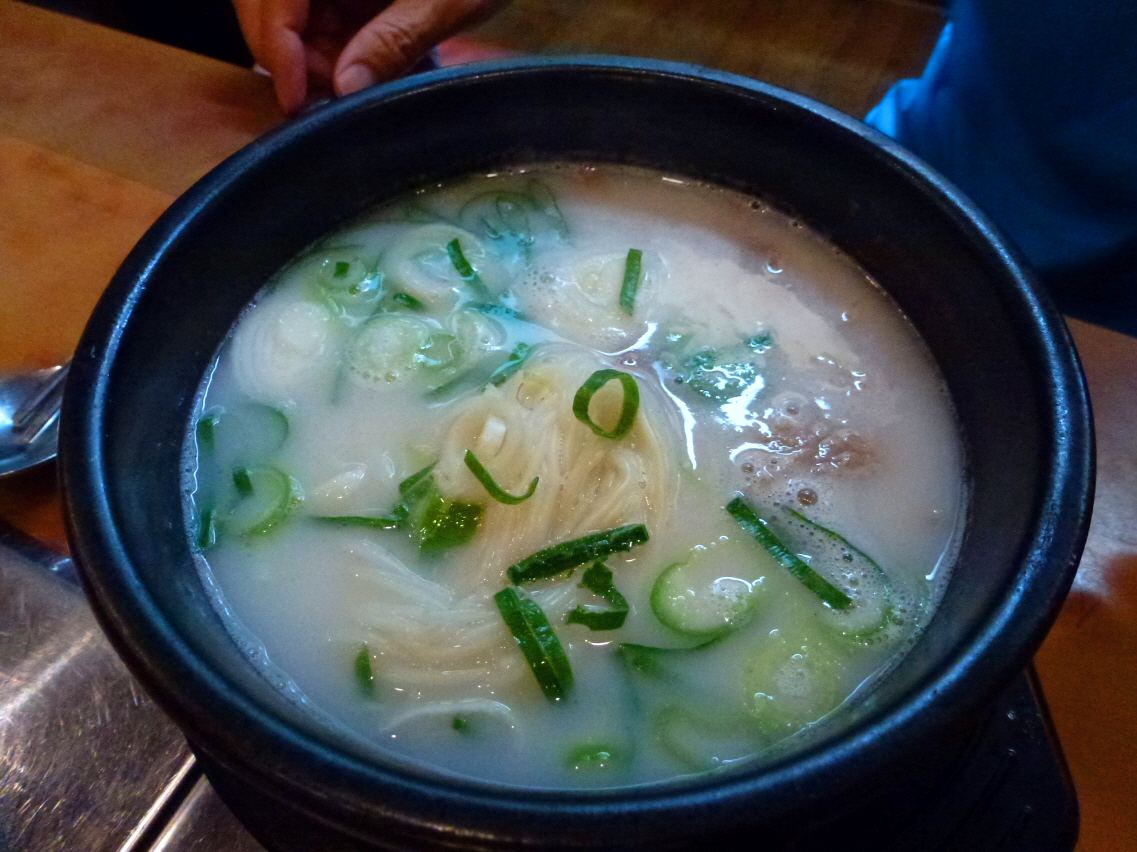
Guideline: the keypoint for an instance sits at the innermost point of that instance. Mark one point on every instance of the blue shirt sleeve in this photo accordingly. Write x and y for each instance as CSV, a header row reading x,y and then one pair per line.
x,y
1031,109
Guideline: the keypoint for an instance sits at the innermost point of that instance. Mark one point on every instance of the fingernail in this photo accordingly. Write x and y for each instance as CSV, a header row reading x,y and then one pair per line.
x,y
353,78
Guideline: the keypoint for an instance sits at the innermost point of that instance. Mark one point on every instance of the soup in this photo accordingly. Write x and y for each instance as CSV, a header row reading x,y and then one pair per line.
x,y
575,476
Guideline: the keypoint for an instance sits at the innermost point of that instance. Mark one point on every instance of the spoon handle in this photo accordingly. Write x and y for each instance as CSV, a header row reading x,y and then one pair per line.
x,y
41,409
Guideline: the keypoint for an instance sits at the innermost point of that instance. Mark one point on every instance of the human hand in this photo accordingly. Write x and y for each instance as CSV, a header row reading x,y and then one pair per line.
x,y
314,47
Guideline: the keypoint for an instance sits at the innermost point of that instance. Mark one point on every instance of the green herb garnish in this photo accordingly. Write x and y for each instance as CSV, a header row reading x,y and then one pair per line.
x,y
750,521
406,300
631,284
598,580
364,676
492,488
631,406
495,309
266,497
537,641
650,659
206,529
517,359
445,523
393,521
462,266
206,432
591,757
243,482
569,554
708,373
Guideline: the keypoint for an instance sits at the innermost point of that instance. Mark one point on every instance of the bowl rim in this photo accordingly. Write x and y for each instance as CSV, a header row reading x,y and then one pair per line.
x,y
120,600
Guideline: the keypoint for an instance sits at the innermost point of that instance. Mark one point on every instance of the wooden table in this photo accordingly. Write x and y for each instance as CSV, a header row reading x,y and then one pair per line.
x,y
99,131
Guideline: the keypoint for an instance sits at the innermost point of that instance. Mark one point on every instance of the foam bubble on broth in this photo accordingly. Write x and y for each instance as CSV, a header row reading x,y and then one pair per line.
x,y
769,369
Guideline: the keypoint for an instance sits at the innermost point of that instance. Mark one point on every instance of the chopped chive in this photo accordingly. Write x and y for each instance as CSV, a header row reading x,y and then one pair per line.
x,y
463,268
407,301
243,482
494,309
459,724
833,535
628,411
267,497
598,580
415,480
632,269
207,529
569,554
750,521
588,757
364,676
496,491
461,265
446,523
517,359
537,641
389,522
650,659
760,342
342,266
206,432
435,521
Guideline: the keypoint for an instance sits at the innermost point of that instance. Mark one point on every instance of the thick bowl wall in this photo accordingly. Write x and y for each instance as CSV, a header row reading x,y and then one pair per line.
x,y
1004,352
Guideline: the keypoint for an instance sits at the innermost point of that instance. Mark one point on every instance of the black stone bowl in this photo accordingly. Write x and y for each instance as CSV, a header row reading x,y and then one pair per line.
x,y
1005,353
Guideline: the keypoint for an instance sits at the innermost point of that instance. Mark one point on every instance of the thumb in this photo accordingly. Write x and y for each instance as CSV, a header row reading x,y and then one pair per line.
x,y
393,41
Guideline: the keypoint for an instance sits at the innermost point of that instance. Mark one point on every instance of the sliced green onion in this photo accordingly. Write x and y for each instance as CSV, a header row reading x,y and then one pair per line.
x,y
592,757
833,535
388,522
206,529
632,269
364,676
749,520
459,724
537,641
243,482
342,266
712,374
462,266
446,523
267,496
495,309
598,580
569,554
409,486
871,616
407,301
589,389
761,341
517,359
436,521
495,490
206,432
651,659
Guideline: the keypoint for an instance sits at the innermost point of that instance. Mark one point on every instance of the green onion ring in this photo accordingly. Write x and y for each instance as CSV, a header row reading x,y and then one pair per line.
x,y
496,491
628,412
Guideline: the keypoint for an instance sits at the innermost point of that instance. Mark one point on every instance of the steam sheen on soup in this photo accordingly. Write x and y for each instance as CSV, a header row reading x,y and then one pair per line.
x,y
575,476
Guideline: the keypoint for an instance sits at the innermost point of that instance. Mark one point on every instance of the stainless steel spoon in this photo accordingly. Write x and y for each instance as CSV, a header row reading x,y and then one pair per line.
x,y
29,418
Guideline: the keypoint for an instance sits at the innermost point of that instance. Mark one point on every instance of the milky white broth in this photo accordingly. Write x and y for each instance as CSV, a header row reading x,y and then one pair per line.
x,y
769,368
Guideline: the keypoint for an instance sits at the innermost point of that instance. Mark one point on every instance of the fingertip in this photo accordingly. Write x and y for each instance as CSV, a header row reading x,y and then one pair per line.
x,y
289,69
353,78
